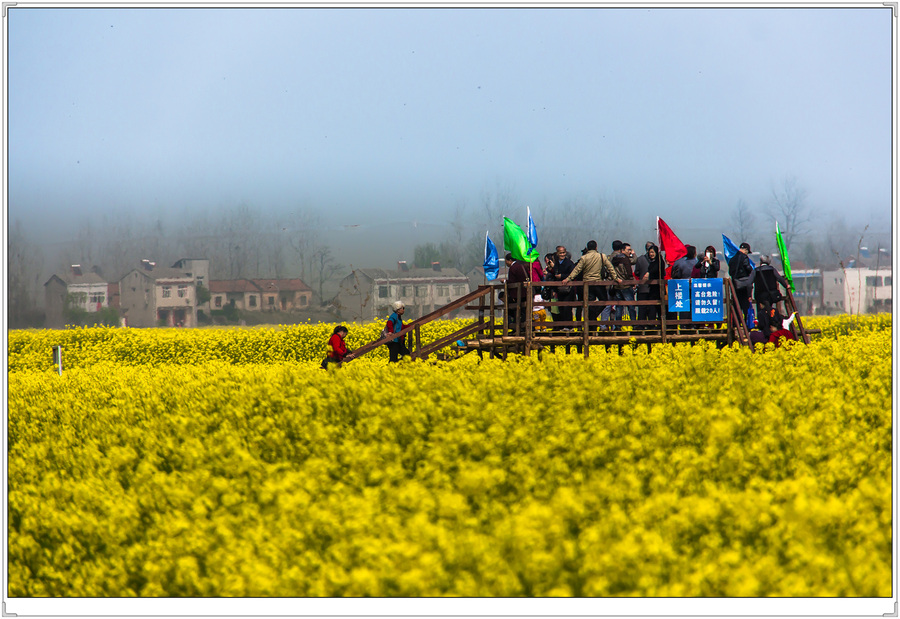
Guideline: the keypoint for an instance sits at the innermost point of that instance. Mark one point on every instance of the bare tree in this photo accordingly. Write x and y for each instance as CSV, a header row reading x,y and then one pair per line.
x,y
325,269
578,220
301,231
496,205
743,221
25,266
789,208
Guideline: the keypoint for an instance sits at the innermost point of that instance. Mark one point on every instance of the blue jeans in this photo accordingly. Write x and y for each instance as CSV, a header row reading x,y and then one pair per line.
x,y
626,294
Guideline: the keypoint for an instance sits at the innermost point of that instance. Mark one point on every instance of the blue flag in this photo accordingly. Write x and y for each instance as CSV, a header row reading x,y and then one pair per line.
x,y
731,249
491,260
532,232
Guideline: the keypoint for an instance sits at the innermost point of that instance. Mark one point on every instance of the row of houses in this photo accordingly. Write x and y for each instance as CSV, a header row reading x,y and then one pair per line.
x,y
150,295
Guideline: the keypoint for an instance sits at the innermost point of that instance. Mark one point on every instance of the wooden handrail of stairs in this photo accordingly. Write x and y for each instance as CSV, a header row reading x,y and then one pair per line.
x,y
478,293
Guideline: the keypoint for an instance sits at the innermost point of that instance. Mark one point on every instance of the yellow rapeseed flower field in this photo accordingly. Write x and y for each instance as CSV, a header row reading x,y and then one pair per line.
x,y
224,462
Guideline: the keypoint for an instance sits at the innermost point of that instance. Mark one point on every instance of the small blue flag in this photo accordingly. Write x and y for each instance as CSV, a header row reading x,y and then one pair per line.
x,y
491,260
532,232
731,249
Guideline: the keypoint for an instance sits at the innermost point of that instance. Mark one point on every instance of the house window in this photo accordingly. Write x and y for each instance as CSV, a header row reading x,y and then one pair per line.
x,y
421,291
459,289
384,292
252,300
167,292
888,280
97,297
218,301
182,290
304,301
443,290
271,301
407,291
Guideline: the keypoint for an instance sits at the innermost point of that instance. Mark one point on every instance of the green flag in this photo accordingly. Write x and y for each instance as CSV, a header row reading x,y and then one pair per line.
x,y
516,242
785,260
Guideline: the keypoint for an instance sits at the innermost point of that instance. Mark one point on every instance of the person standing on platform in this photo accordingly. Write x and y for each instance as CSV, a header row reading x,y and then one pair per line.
x,y
562,266
656,270
516,272
591,267
764,281
739,270
707,266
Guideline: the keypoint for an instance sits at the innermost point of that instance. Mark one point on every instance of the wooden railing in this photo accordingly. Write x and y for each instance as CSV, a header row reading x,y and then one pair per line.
x,y
526,334
413,334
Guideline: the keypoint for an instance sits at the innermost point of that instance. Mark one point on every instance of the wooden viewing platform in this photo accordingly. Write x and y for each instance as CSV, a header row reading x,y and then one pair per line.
x,y
492,332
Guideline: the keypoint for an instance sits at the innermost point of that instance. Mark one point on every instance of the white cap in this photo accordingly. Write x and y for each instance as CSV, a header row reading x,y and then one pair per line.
x,y
397,305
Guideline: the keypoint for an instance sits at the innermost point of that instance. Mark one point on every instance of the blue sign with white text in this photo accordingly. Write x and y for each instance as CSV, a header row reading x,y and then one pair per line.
x,y
707,299
679,295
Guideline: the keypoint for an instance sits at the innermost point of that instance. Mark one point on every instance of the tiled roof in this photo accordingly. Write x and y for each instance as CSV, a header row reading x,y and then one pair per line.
x,y
86,278
291,285
446,273
233,285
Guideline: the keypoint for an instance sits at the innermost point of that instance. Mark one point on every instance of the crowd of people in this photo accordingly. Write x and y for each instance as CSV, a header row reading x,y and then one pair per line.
x,y
632,275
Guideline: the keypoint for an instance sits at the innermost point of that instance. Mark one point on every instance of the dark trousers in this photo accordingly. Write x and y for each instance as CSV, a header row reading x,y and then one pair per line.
x,y
643,311
596,293
397,349
565,313
651,311
743,296
515,313
578,294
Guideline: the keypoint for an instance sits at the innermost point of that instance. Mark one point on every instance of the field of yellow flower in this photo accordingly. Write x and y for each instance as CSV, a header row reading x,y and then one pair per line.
x,y
223,462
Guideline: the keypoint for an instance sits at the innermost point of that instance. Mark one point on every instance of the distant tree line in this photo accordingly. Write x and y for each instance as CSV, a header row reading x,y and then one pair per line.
x,y
240,242
561,223
244,241
820,240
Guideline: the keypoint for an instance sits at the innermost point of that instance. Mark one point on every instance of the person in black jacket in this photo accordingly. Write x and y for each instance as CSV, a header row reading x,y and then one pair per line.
x,y
516,273
739,270
707,265
559,269
765,279
656,269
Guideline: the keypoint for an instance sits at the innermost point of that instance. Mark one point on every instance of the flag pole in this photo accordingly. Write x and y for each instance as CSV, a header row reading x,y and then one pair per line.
x,y
483,272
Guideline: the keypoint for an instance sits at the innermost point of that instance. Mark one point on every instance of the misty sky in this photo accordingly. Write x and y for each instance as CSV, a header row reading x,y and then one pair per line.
x,y
396,115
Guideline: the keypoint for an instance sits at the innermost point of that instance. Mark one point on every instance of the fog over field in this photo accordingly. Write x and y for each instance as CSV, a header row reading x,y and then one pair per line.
x,y
375,130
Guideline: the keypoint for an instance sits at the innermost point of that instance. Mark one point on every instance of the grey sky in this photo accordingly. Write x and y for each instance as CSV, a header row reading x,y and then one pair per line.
x,y
391,114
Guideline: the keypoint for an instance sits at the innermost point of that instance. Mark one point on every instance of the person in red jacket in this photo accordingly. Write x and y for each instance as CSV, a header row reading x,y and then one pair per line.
x,y
336,349
778,329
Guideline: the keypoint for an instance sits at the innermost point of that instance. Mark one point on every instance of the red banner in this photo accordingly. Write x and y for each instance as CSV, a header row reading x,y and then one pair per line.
x,y
669,244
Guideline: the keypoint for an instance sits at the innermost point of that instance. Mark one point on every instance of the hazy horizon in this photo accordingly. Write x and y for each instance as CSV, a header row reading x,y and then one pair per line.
x,y
386,120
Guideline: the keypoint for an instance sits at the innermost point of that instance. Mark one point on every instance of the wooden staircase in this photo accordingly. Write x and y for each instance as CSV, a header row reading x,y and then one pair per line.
x,y
412,331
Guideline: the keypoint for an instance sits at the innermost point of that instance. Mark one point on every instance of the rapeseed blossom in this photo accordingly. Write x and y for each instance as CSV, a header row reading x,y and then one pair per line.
x,y
223,462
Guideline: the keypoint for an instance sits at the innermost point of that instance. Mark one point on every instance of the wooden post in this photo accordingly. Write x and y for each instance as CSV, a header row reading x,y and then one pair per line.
x,y
505,307
585,330
57,359
664,307
493,320
418,340
726,283
529,308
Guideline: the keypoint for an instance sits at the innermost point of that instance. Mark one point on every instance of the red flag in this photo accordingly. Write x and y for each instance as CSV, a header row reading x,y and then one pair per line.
x,y
669,244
